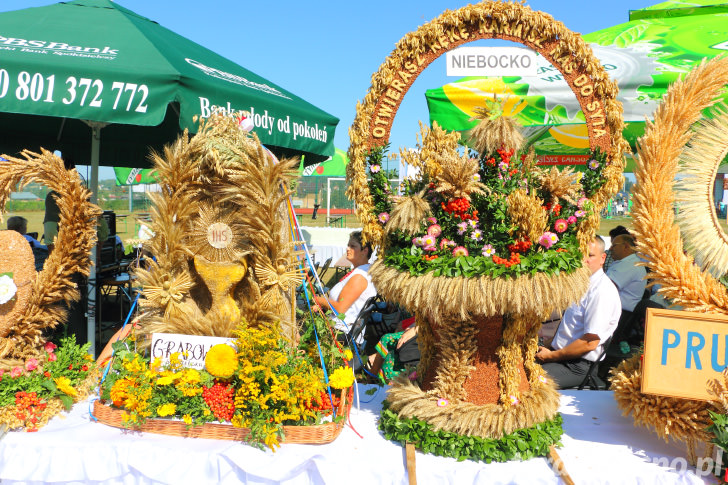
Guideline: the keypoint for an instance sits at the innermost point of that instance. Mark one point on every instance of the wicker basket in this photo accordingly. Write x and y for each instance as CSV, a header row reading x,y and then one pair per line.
x,y
315,434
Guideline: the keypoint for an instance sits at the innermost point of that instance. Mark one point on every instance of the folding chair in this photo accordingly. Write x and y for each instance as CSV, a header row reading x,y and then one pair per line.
x,y
591,378
323,269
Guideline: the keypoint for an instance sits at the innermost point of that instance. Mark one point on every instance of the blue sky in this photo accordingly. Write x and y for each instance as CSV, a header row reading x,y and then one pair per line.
x,y
326,51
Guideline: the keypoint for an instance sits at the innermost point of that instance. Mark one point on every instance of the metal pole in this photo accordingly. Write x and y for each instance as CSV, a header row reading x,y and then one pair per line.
x,y
94,186
328,201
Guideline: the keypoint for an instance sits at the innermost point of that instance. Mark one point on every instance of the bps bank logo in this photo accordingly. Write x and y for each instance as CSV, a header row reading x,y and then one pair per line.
x,y
235,79
55,47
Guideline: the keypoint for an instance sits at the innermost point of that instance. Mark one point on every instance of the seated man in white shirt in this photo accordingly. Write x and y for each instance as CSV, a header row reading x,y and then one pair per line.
x,y
628,278
585,326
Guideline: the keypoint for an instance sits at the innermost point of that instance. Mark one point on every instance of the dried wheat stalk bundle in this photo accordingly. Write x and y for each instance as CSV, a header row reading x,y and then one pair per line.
x,y
222,175
53,287
489,134
461,297
487,421
660,243
697,218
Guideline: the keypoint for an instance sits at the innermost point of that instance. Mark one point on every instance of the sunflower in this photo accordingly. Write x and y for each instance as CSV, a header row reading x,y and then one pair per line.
x,y
221,361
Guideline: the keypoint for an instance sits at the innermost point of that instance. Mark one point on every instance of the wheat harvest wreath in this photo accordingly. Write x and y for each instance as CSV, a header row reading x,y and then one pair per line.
x,y
482,246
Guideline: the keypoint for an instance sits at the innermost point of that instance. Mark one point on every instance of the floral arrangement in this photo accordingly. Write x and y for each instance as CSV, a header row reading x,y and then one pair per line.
x,y
8,289
260,382
30,395
494,213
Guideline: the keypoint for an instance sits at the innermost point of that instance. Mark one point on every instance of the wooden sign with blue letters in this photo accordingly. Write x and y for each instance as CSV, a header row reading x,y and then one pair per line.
x,y
684,353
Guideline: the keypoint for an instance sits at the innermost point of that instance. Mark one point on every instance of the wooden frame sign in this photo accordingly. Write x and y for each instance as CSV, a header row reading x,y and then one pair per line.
x,y
684,353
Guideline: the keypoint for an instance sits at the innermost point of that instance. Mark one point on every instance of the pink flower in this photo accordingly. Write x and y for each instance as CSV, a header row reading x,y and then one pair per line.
x,y
561,225
472,223
417,241
375,168
50,347
444,243
434,230
430,248
581,202
488,251
476,235
442,402
542,379
476,177
413,375
16,372
548,239
462,227
579,213
383,217
514,400
432,220
429,240
31,364
571,219
503,166
52,357
460,251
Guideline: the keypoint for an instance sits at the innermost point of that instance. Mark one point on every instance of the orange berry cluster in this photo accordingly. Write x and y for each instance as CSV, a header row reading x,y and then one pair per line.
x,y
520,246
459,208
515,259
429,257
28,409
505,154
220,399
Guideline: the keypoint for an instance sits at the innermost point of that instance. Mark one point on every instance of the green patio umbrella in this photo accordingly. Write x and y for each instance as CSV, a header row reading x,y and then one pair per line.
x,y
96,61
104,85
644,55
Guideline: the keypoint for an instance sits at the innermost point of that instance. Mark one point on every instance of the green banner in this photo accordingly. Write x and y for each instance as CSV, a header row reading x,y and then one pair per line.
x,y
644,56
134,176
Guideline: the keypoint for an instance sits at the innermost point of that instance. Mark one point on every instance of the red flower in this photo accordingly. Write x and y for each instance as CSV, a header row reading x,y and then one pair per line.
x,y
47,374
70,367
84,368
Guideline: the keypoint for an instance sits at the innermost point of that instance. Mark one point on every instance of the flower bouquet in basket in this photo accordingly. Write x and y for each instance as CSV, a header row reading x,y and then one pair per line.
x,y
31,394
257,388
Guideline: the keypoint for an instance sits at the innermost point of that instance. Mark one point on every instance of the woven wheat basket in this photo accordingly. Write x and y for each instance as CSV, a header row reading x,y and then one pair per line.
x,y
311,435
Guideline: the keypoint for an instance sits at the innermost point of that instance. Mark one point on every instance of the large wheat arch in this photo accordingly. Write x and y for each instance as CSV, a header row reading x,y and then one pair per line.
x,y
566,50
54,287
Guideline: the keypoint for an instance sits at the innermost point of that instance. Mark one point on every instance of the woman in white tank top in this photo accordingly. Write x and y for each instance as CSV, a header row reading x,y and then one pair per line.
x,y
349,295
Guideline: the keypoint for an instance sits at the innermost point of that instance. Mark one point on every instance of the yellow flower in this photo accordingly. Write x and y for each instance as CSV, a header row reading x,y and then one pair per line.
x,y
341,378
348,355
166,409
221,361
190,376
165,381
64,385
187,419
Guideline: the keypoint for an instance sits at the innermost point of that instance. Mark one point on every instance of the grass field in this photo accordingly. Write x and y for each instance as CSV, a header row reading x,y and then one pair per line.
x,y
127,226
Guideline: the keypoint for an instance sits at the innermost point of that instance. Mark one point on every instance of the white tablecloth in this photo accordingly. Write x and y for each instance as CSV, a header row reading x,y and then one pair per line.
x,y
600,446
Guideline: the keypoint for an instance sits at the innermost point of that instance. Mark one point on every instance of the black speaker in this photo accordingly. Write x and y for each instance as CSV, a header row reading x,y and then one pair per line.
x,y
110,217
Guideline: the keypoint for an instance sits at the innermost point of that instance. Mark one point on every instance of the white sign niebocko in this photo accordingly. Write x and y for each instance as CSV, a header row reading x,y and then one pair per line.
x,y
491,61
192,348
